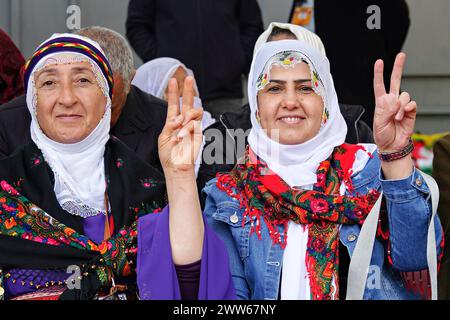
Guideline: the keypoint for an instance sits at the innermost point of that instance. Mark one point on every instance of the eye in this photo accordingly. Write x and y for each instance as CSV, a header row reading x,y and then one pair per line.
x,y
274,89
84,80
47,83
306,89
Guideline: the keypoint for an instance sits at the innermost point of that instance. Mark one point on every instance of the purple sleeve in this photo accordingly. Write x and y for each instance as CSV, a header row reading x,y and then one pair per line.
x,y
156,273
189,279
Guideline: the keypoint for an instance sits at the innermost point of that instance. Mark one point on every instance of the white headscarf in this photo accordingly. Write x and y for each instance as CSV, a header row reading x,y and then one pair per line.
x,y
296,164
79,167
301,33
153,78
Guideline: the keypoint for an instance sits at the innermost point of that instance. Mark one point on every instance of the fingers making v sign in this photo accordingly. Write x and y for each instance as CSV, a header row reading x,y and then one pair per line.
x,y
395,112
181,138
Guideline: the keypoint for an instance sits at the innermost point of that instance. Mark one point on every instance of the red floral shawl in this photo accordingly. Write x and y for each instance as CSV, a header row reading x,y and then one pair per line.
x,y
264,194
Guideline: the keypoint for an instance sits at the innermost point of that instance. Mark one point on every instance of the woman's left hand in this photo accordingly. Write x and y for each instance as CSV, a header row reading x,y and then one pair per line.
x,y
395,113
180,140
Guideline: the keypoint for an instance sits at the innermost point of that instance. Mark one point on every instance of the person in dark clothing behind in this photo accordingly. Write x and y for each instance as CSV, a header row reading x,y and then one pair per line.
x,y
11,61
214,38
353,48
441,172
137,118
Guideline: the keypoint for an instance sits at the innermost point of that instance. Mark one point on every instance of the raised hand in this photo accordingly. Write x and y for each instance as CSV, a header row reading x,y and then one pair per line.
x,y
179,142
395,113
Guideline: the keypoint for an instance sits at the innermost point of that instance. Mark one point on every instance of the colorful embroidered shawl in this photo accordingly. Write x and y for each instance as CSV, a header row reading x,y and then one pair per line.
x,y
264,194
19,218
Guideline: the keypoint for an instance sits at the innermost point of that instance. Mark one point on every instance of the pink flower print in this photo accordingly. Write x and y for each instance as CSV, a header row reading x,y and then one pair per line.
x,y
147,183
119,163
7,187
319,206
52,242
36,160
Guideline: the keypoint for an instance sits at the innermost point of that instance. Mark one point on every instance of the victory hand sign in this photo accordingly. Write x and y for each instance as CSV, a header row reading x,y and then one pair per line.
x,y
394,119
181,138
178,146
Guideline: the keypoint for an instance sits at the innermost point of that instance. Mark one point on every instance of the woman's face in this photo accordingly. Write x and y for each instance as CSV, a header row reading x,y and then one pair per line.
x,y
289,109
70,103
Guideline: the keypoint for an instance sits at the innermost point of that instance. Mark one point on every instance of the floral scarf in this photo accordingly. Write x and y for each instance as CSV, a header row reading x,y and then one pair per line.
x,y
264,194
20,218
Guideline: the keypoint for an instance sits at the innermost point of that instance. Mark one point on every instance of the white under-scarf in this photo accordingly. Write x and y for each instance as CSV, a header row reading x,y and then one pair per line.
x,y
296,164
79,167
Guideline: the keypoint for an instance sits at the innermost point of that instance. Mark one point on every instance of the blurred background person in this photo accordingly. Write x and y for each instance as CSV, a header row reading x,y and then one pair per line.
x,y
441,172
11,61
153,77
214,38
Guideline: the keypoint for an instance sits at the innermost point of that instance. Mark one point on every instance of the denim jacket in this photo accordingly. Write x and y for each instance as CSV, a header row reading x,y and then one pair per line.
x,y
256,264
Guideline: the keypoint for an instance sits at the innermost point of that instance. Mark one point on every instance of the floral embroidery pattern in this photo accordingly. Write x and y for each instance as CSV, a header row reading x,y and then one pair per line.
x,y
148,183
325,116
36,160
146,208
119,163
19,218
322,209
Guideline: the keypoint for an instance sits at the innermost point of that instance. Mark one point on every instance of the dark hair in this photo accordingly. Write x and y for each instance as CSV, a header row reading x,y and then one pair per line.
x,y
277,31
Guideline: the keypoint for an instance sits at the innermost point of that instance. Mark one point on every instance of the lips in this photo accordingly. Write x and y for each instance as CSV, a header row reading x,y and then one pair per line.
x,y
292,119
68,117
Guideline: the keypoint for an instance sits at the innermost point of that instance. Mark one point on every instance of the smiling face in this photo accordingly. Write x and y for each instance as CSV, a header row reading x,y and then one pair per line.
x,y
288,106
70,103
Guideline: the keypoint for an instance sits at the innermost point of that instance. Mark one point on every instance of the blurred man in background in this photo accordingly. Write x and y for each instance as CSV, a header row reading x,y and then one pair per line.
x,y
214,38
354,40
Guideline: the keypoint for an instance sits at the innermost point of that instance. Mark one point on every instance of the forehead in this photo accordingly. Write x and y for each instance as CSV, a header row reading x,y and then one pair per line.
x,y
298,71
60,69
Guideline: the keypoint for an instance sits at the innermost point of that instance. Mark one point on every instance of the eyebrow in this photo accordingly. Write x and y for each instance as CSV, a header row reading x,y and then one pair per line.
x,y
51,71
55,71
295,81
83,69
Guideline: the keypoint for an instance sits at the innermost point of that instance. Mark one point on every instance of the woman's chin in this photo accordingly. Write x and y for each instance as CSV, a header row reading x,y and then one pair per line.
x,y
69,137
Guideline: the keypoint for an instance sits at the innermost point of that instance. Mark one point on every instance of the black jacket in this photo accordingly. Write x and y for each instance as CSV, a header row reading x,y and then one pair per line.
x,y
358,132
139,125
214,38
353,48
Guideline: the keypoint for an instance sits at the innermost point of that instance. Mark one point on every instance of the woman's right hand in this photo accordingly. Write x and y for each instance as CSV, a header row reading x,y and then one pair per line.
x,y
180,140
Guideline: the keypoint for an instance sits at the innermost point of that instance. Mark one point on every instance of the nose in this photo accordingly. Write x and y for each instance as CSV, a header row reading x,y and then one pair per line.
x,y
67,97
290,100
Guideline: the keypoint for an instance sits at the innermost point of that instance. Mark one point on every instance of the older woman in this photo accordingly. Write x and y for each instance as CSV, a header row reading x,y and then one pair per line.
x,y
77,200
291,212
